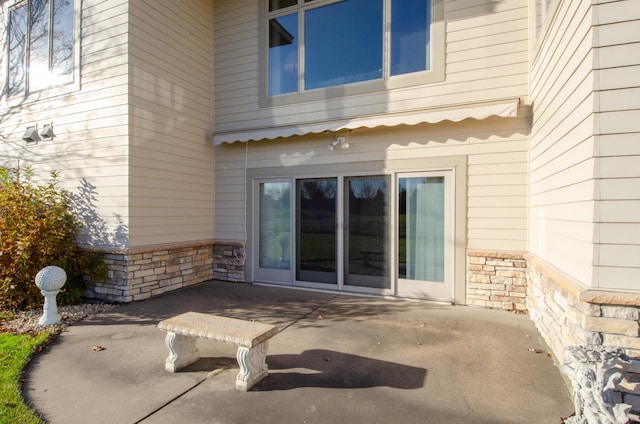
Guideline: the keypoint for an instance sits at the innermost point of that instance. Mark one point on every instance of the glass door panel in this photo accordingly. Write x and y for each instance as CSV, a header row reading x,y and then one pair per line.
x,y
425,237
316,241
366,232
273,232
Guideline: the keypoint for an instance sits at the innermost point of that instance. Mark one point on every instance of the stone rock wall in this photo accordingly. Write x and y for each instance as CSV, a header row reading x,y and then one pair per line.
x,y
139,274
496,280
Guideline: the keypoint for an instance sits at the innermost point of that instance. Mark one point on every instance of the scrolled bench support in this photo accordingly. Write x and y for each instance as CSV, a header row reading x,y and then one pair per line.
x,y
182,351
253,365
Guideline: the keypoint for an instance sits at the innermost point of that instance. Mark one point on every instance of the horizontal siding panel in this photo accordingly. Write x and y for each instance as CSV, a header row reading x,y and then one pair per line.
x,y
575,231
619,188
488,62
488,51
620,167
571,138
576,256
571,176
496,234
618,278
619,233
616,11
618,145
619,255
492,158
620,211
502,212
480,15
481,40
497,27
572,192
622,99
494,223
582,210
497,245
497,191
619,122
497,179
619,33
617,56
116,38
502,168
97,13
614,78
564,113
497,202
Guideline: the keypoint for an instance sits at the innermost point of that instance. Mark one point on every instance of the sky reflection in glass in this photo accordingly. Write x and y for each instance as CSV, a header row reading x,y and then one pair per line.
x,y
343,43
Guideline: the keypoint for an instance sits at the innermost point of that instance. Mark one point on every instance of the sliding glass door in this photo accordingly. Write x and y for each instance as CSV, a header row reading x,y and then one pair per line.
x,y
366,232
425,235
316,238
274,237
358,233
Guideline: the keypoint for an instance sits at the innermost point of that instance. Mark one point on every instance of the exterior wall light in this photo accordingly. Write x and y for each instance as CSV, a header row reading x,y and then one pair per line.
x,y
31,134
340,143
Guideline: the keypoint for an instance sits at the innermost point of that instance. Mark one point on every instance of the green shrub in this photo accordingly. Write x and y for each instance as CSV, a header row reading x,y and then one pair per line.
x,y
37,229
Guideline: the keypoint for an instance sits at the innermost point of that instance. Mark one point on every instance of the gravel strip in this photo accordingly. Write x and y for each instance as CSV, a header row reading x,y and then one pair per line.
x,y
27,321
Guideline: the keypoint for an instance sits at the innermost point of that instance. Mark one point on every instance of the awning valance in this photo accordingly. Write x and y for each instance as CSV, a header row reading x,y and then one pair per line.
x,y
505,109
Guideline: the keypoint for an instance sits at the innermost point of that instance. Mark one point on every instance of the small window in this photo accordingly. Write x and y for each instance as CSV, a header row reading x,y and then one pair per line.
x,y
316,44
41,45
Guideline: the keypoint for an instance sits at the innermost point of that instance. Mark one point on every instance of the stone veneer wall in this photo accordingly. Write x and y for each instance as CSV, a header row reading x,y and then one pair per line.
x,y
567,313
496,280
139,274
229,261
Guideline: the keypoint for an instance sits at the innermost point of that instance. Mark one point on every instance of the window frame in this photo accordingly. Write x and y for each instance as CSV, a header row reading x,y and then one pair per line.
x,y
27,95
436,73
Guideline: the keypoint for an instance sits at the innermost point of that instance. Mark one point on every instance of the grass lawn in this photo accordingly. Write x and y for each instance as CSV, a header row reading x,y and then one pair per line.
x,y
15,352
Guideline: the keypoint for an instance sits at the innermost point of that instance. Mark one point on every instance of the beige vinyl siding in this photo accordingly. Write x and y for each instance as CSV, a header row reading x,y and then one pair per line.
x,y
584,165
90,124
486,59
171,110
562,208
495,148
617,97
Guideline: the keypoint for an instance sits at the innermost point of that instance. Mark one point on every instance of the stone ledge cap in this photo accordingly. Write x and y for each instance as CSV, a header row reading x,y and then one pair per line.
x,y
603,297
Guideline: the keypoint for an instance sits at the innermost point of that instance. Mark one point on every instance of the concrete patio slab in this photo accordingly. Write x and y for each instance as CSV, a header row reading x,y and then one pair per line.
x,y
337,358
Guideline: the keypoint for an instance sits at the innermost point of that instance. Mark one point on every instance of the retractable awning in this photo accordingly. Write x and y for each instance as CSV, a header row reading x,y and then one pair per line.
x,y
505,109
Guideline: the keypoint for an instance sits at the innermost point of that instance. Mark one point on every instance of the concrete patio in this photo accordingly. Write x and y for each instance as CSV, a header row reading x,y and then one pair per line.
x,y
337,358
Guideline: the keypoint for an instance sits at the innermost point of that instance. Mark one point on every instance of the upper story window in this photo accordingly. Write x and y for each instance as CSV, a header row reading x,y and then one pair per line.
x,y
41,45
315,44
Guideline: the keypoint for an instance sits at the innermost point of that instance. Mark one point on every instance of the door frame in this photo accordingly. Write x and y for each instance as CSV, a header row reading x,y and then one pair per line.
x,y
422,289
383,167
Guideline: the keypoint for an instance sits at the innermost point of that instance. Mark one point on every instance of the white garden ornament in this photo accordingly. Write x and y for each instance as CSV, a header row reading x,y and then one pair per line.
x,y
50,280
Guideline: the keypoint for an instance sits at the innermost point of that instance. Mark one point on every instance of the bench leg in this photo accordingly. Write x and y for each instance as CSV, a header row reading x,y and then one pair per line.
x,y
182,351
253,365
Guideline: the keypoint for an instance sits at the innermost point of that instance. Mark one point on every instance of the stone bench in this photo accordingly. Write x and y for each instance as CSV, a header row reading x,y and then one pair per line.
x,y
251,337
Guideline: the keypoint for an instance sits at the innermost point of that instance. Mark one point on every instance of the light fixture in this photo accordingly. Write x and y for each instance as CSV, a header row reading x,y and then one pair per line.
x,y
31,134
340,142
47,131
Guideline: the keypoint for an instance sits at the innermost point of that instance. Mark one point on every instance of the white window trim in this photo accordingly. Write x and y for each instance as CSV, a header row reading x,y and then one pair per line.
x,y
46,93
435,74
